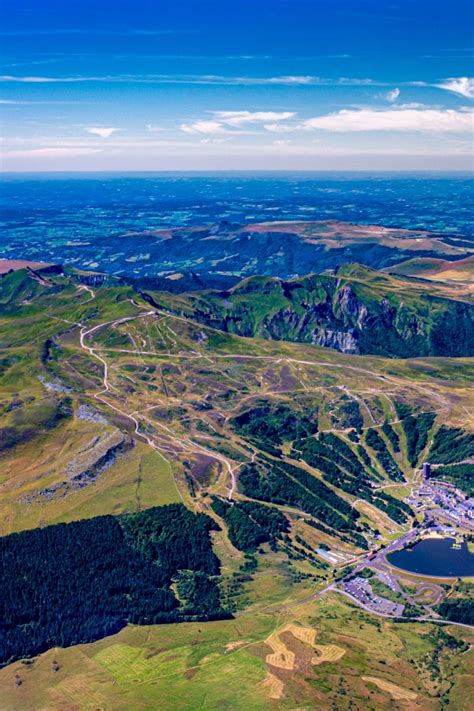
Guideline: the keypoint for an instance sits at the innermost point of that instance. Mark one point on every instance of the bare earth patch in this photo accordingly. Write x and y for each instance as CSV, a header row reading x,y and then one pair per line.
x,y
230,646
327,653
293,649
273,686
398,692
282,657
7,265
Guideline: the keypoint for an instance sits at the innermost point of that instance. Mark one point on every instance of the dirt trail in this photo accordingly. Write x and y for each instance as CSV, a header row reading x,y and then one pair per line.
x,y
188,444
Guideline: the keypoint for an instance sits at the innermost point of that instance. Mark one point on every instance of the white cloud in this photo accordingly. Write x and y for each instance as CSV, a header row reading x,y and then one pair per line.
x,y
236,118
292,80
198,79
392,95
462,85
52,152
279,143
231,122
279,127
206,127
423,120
102,132
29,80
417,105
152,128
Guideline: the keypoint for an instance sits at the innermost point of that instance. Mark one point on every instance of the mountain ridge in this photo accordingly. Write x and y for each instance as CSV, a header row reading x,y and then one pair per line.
x,y
357,310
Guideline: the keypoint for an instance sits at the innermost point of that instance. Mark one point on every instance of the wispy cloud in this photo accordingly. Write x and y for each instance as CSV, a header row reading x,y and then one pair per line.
x,y
392,95
51,152
464,86
102,131
468,54
291,80
237,118
403,118
213,141
207,127
279,127
416,120
37,80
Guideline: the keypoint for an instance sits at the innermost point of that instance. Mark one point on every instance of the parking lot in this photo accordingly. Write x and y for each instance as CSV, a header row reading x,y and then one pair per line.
x,y
361,589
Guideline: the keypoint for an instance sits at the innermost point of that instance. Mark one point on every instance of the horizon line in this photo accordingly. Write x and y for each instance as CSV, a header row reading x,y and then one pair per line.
x,y
223,171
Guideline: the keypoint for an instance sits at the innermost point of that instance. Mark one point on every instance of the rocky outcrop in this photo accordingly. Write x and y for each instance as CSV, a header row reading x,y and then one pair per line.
x,y
79,475
357,312
344,341
346,304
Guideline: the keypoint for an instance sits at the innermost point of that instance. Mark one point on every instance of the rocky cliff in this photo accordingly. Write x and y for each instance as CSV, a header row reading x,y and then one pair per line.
x,y
357,310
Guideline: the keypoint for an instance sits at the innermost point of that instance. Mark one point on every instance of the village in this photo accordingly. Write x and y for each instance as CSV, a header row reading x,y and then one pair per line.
x,y
443,513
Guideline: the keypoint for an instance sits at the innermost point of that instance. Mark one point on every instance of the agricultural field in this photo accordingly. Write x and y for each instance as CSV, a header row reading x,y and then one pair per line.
x,y
313,655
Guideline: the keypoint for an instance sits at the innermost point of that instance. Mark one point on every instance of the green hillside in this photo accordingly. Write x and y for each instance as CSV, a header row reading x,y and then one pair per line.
x,y
115,402
357,310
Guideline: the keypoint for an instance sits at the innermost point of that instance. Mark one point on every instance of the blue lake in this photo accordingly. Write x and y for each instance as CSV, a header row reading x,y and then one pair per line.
x,y
437,557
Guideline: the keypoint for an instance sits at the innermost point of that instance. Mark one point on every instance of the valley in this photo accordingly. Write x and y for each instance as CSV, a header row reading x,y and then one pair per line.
x,y
219,252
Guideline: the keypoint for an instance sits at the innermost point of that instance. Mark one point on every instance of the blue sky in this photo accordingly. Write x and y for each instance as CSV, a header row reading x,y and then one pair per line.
x,y
261,84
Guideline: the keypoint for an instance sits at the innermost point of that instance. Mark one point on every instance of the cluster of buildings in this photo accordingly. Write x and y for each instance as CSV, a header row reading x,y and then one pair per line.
x,y
442,503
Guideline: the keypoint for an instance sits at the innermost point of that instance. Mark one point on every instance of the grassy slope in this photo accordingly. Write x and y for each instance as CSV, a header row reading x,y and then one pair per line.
x,y
223,664
176,385
437,269
139,479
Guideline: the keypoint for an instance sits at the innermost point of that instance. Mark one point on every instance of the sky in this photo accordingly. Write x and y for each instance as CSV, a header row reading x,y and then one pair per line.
x,y
138,85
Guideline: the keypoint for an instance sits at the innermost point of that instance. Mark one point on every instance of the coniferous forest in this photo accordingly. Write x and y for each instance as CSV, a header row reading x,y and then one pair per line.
x,y
77,582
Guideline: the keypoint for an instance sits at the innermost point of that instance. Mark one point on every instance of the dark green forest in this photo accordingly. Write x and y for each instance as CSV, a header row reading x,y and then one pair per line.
x,y
250,524
349,474
77,582
269,425
461,475
285,484
374,440
451,444
416,431
457,611
391,435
